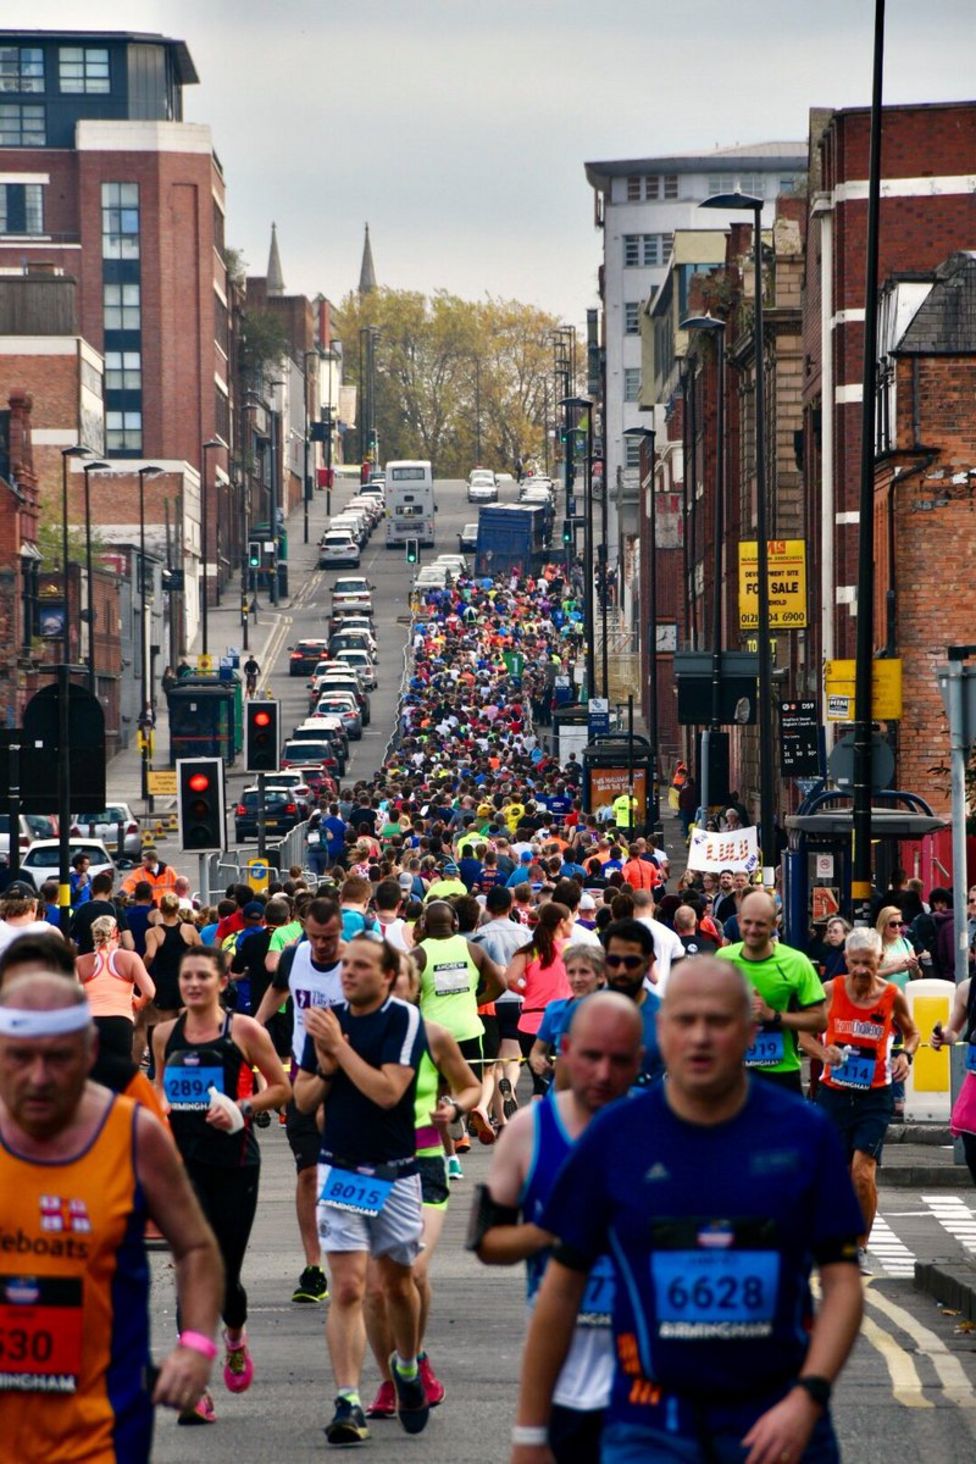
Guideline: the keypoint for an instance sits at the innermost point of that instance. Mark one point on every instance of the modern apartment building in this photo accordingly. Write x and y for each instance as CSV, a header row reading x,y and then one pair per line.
x,y
640,203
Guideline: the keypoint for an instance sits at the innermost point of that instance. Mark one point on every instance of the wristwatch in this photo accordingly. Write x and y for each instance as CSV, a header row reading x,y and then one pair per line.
x,y
818,1388
246,1107
776,1021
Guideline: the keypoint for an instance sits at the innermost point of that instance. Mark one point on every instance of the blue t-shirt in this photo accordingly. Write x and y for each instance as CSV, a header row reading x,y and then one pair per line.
x,y
713,1232
556,1019
336,828
357,1130
470,871
652,1063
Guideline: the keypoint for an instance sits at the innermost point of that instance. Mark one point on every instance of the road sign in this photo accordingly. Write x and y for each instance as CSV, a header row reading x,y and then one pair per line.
x,y
787,584
258,872
824,902
886,695
597,716
840,763
825,866
205,664
162,783
41,750
799,739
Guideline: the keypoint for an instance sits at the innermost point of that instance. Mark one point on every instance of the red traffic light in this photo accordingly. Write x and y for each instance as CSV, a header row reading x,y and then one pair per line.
x,y
262,719
198,782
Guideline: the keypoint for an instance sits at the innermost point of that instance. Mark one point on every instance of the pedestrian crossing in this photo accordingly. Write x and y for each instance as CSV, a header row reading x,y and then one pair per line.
x,y
893,1246
956,1217
893,1254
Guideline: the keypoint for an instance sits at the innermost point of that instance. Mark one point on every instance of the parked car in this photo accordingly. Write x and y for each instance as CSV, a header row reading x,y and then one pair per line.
x,y
356,624
280,812
346,681
344,705
41,861
105,825
308,755
537,481
305,655
352,587
318,729
482,487
299,790
321,780
352,640
468,538
362,663
32,826
338,547
456,563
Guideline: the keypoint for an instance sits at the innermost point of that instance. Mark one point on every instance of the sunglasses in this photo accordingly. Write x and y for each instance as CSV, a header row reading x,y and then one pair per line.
x,y
896,925
629,963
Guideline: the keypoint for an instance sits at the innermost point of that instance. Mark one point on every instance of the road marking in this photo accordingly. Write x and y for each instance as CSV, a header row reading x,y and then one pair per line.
x,y
893,1254
955,1383
955,1216
906,1385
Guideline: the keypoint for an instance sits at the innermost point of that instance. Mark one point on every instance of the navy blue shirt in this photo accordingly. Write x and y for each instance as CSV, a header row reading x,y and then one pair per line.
x,y
358,1131
470,871
713,1231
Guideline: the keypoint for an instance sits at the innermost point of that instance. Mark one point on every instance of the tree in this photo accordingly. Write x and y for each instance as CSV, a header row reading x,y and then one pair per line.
x,y
264,343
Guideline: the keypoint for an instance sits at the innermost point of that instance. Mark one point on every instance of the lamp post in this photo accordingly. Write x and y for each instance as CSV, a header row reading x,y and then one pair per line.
x,y
710,324
767,811
64,720
275,443
584,404
96,467
146,718
210,446
306,486
647,437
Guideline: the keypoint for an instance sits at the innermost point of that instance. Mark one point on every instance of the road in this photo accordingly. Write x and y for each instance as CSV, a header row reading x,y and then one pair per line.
x,y
907,1394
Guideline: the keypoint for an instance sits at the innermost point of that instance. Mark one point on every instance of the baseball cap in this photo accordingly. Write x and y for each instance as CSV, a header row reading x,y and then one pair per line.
x,y
526,856
406,881
253,910
587,902
450,867
19,890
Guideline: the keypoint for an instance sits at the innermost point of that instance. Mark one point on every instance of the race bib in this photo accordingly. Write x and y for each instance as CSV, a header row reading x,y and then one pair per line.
x,y
857,1071
41,1330
362,1193
971,1057
187,1083
596,1308
766,1051
716,1294
452,978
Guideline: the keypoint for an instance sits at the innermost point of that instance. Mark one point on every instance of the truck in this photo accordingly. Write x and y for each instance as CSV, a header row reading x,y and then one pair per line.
x,y
511,536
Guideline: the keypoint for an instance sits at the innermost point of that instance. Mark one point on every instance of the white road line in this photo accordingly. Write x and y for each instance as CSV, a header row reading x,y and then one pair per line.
x,y
906,1385
955,1217
955,1383
886,1247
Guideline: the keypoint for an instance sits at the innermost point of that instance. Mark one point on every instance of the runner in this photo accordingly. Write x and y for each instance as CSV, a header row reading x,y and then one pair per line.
x,y
206,1056
788,996
442,1063
501,937
585,974
601,1055
117,986
629,962
962,1028
538,973
310,974
165,944
361,1062
80,1172
860,1068
714,1197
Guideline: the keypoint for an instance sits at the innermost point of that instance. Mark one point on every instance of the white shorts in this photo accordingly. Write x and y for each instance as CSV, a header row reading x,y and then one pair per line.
x,y
396,1231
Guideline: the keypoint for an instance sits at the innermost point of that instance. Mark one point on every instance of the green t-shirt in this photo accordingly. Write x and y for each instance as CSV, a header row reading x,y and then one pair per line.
x,y
449,985
443,889
786,981
284,935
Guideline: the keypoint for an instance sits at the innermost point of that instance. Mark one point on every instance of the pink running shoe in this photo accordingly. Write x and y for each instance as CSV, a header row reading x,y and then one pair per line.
x,y
384,1404
238,1367
433,1386
203,1412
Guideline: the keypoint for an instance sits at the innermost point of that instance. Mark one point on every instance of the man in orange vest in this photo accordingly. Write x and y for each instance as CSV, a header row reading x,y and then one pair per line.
x,y
153,870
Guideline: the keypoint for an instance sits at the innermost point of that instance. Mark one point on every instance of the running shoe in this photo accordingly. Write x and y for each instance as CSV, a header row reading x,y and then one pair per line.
x,y
348,1424
863,1262
384,1404
463,1144
509,1105
312,1285
454,1170
202,1412
433,1386
413,1410
238,1367
263,1119
479,1125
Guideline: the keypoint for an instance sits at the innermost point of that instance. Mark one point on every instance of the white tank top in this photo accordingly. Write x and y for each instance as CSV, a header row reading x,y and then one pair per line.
x,y
394,934
310,987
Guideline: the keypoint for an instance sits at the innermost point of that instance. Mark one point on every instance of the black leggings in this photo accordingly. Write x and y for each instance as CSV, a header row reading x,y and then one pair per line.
x,y
229,1199
115,1036
540,1086
969,1149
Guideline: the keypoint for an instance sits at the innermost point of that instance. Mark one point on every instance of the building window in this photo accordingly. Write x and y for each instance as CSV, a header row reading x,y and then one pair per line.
x,y
21,126
652,186
632,378
82,69
21,208
787,185
120,221
221,326
123,371
671,185
631,321
632,447
633,190
123,432
754,184
122,307
222,414
647,249
21,69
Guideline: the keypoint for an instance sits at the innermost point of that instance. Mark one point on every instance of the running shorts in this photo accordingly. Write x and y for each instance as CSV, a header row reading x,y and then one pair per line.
x,y
395,1232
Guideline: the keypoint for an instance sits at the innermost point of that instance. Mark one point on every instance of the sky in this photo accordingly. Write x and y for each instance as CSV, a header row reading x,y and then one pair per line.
x,y
459,128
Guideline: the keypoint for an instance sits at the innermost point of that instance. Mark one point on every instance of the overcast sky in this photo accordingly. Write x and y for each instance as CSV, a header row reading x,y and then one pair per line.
x,y
459,128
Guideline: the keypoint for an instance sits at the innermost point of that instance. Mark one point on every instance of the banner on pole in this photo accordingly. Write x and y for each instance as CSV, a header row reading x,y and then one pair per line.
x,y
737,850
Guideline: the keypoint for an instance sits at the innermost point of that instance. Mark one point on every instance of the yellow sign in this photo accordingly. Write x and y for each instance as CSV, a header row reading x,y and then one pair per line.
x,y
146,742
162,784
886,700
257,874
787,584
205,664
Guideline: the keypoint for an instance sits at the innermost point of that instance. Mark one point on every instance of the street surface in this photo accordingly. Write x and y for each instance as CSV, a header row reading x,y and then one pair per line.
x,y
907,1394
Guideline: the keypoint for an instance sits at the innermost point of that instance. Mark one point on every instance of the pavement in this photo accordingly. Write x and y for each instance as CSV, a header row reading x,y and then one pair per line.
x,y
909,1391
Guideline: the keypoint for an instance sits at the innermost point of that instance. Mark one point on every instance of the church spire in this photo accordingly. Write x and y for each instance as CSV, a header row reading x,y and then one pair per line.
x,y
367,274
275,278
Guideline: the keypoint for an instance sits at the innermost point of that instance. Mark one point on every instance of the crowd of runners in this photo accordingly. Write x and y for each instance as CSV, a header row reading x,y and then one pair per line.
x,y
476,961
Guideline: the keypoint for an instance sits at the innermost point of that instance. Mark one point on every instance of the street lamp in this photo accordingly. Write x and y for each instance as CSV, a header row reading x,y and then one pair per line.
x,y
276,474
648,436
584,404
214,444
710,324
767,812
306,486
96,467
64,720
146,718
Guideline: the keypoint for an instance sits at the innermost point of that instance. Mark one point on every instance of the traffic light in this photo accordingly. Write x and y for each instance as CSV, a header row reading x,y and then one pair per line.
x,y
261,736
568,531
254,553
413,551
202,826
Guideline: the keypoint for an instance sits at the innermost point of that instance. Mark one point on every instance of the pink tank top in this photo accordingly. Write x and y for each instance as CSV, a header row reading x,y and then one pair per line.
x,y
539,986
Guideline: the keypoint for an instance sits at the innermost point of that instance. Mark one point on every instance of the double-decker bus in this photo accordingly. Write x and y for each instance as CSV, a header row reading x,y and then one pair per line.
x,y
409,497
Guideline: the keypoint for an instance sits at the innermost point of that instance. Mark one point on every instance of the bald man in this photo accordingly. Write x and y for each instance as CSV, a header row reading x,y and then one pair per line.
x,y
713,1195
601,1055
81,1169
788,996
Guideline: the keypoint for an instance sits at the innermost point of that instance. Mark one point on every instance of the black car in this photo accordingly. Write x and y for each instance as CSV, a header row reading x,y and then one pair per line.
x,y
305,656
468,539
281,812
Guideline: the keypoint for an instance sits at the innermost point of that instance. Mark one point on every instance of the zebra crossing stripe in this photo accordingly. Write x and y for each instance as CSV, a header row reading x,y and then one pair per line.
x,y
885,1246
955,1217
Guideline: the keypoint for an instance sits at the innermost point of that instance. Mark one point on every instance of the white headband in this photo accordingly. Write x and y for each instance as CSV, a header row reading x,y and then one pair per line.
x,y
16,1022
